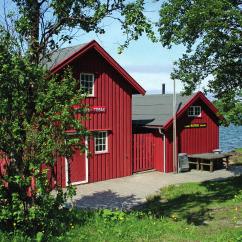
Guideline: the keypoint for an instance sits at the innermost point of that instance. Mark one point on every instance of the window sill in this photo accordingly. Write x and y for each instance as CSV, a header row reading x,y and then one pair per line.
x,y
102,153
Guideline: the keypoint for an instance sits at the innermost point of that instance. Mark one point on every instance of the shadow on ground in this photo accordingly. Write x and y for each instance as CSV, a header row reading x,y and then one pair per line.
x,y
236,169
106,199
193,205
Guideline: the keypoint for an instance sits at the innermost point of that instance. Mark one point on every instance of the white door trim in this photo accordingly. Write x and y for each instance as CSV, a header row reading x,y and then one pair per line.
x,y
86,161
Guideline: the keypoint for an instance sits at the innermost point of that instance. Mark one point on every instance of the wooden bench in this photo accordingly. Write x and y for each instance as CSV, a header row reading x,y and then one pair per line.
x,y
194,162
210,164
208,159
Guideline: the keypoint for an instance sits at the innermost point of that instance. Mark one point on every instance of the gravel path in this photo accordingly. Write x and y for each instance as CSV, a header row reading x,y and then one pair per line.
x,y
126,192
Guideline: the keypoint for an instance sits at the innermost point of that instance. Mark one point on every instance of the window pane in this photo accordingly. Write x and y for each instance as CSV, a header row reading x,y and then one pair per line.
x,y
194,111
87,83
101,141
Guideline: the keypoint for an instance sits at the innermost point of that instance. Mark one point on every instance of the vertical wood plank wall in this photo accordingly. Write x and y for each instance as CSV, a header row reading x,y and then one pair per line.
x,y
193,140
143,151
158,152
112,92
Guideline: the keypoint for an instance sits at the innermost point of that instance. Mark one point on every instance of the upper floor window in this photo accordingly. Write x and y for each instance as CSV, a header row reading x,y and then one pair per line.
x,y
101,142
194,111
87,83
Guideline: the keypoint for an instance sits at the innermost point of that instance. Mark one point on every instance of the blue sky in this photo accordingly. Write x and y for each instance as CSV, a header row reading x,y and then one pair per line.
x,y
148,63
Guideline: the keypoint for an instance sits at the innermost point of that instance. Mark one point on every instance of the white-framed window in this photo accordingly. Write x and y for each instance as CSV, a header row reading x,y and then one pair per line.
x,y
87,83
194,111
101,142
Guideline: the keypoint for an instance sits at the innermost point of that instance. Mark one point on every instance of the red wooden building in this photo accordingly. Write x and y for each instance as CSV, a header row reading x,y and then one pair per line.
x,y
197,129
110,90
129,138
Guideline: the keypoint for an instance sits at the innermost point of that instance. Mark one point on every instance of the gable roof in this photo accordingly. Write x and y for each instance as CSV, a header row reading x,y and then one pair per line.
x,y
61,54
63,57
156,110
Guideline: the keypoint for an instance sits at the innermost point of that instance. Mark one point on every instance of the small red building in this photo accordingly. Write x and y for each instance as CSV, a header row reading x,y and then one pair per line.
x,y
110,89
197,129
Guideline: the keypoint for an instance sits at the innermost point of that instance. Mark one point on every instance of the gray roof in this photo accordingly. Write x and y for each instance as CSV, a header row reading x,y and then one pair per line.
x,y
59,55
155,109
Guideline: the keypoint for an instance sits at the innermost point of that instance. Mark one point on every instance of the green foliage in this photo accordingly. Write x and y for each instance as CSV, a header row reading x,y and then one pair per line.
x,y
35,112
232,111
211,32
115,216
41,32
36,106
170,218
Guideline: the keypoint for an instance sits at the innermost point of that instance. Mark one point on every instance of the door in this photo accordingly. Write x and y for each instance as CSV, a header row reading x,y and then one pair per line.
x,y
143,152
77,167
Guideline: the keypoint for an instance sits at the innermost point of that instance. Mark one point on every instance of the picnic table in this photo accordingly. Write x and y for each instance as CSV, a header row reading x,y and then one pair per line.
x,y
208,159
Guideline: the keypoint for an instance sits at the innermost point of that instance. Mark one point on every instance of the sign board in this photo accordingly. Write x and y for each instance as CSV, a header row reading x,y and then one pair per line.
x,y
92,109
201,125
97,109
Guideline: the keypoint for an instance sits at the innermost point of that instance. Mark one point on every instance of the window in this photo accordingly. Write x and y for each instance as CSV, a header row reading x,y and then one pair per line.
x,y
194,111
101,142
87,83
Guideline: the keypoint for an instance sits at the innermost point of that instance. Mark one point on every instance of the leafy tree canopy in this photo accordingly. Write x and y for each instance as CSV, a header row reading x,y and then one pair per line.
x,y
46,24
36,107
211,32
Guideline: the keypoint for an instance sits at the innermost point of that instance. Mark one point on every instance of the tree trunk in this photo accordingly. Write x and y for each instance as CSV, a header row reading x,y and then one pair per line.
x,y
34,18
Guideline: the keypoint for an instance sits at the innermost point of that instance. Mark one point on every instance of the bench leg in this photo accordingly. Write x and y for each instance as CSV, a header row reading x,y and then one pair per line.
x,y
197,165
227,163
211,166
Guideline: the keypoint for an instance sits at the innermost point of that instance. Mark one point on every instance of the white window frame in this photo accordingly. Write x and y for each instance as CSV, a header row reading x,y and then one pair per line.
x,y
192,111
106,142
93,79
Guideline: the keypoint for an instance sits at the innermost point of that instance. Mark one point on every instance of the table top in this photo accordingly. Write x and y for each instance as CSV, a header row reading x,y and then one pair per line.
x,y
209,156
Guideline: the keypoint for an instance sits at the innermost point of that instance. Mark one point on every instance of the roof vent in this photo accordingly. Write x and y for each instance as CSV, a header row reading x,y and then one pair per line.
x,y
163,88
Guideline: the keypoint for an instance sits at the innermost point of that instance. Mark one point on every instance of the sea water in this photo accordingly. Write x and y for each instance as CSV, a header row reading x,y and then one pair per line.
x,y
230,137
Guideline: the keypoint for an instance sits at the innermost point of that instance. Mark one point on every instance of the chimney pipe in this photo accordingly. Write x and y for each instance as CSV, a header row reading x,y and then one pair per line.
x,y
163,88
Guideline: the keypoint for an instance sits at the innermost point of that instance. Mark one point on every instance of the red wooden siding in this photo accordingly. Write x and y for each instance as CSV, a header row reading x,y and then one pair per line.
x,y
193,140
158,152
77,167
112,92
3,163
143,151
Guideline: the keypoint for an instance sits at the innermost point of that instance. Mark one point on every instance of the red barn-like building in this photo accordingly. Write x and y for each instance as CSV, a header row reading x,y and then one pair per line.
x,y
119,147
110,90
197,129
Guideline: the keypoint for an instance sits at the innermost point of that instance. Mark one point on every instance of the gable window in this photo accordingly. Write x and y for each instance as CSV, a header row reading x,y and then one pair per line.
x,y
101,142
87,83
194,111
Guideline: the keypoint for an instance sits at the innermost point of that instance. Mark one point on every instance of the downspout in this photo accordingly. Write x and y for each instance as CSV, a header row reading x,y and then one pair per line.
x,y
164,148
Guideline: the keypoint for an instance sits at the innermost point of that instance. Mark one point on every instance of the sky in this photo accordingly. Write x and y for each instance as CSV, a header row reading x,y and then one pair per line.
x,y
148,63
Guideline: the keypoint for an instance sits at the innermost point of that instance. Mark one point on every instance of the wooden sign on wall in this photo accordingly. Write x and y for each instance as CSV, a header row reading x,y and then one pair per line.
x,y
201,125
97,109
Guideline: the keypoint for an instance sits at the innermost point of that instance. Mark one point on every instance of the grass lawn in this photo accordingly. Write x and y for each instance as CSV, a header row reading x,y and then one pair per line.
x,y
239,150
208,211
236,157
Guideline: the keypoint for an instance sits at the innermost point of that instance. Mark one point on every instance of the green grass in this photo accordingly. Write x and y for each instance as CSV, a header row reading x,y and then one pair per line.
x,y
239,150
236,158
208,211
